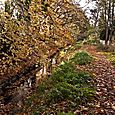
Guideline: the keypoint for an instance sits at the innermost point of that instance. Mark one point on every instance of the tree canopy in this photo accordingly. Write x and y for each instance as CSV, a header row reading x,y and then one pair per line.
x,y
32,30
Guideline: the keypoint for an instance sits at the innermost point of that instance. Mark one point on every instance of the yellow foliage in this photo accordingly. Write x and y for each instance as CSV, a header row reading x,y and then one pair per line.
x,y
32,41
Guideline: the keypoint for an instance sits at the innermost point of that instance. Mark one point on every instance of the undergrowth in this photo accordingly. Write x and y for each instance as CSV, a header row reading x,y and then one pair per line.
x,y
82,58
68,85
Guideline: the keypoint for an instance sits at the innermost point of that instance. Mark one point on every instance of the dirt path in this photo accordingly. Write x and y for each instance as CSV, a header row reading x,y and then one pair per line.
x,y
104,74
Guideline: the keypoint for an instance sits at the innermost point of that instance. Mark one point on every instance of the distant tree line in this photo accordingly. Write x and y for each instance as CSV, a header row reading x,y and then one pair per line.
x,y
104,19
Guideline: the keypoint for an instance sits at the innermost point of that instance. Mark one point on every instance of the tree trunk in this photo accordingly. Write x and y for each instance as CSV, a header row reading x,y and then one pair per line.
x,y
108,23
112,22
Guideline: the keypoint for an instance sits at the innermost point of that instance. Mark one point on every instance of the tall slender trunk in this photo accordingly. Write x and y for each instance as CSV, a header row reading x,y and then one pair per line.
x,y
108,29
106,24
112,21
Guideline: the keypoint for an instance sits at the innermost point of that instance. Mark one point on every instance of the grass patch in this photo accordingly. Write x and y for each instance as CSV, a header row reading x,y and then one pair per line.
x,y
110,56
82,58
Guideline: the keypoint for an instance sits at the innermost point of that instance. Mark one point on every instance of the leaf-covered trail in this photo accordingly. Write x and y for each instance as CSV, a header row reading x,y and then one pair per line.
x,y
104,74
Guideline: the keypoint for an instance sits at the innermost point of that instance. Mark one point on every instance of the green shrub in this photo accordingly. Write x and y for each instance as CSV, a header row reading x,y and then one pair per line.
x,y
82,58
65,84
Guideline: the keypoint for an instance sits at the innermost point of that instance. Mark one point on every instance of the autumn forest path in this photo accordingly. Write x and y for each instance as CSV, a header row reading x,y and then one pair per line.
x,y
104,75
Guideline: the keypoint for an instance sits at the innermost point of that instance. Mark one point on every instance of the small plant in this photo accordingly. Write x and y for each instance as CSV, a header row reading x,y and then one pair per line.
x,y
82,58
79,44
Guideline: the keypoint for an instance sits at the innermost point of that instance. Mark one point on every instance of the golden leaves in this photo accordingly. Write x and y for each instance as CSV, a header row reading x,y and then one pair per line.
x,y
47,30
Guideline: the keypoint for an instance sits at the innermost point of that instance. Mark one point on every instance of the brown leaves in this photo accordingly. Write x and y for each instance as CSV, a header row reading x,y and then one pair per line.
x,y
105,78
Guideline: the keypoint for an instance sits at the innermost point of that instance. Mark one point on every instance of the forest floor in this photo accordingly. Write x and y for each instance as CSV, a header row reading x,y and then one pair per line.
x,y
104,75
